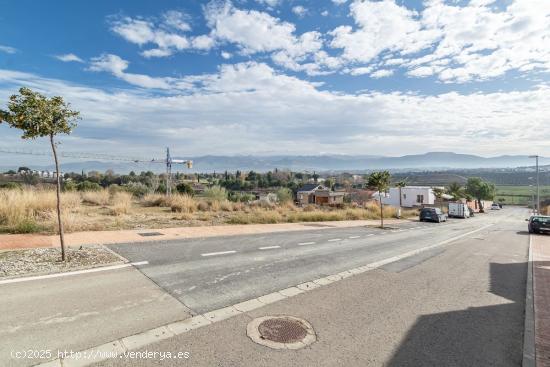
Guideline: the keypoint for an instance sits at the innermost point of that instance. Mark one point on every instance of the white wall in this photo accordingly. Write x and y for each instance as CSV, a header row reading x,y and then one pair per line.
x,y
409,196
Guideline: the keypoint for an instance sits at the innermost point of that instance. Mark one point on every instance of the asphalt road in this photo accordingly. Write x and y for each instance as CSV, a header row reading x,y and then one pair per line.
x,y
211,273
460,304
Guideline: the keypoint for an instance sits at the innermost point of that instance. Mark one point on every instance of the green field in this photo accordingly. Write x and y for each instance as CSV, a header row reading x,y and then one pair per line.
x,y
520,195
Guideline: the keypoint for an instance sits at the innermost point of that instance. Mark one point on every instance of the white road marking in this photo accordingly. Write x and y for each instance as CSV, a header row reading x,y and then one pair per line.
x,y
218,253
269,247
370,234
306,243
335,239
354,236
78,272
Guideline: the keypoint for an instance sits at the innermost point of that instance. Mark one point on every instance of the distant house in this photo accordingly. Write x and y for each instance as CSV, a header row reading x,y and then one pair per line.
x,y
411,196
318,194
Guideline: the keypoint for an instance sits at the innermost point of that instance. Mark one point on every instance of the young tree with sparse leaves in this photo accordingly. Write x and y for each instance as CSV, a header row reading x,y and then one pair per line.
x,y
39,116
381,182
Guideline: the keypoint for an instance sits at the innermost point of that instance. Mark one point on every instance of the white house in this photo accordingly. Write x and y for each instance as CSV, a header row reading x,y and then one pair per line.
x,y
411,196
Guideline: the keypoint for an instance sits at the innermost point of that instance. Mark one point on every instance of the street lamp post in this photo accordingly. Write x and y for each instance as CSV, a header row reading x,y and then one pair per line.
x,y
538,187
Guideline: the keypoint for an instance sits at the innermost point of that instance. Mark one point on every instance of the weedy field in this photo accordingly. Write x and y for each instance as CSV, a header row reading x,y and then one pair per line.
x,y
31,210
519,195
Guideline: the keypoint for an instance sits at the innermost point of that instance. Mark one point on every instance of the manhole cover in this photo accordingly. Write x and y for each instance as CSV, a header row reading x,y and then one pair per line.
x,y
281,332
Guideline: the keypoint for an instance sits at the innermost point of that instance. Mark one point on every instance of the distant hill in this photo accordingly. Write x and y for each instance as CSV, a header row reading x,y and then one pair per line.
x,y
427,161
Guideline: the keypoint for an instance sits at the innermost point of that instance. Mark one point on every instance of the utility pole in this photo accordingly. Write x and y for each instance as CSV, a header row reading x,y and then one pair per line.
x,y
538,187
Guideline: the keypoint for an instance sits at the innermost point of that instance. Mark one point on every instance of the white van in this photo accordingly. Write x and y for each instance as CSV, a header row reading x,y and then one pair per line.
x,y
459,210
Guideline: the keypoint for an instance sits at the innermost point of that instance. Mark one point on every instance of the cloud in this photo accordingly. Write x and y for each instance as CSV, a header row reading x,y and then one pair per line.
x,y
270,3
117,66
258,32
8,49
339,2
167,34
283,114
69,58
478,41
299,10
382,73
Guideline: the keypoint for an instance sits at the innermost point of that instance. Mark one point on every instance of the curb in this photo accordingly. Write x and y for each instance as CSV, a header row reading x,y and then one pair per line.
x,y
529,350
123,345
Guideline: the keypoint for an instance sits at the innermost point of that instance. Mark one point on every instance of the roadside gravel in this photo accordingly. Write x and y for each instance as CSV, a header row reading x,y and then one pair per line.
x,y
48,260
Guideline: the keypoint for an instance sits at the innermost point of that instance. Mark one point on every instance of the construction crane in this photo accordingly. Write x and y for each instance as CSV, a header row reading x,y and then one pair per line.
x,y
169,161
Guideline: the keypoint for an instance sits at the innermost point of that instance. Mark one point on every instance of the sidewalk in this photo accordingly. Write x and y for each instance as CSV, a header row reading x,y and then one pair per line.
x,y
20,241
541,297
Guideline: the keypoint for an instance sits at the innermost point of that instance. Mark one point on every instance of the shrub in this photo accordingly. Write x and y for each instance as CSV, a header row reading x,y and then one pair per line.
x,y
154,200
226,206
137,189
182,204
88,186
284,195
10,185
70,186
185,188
203,206
215,193
122,203
27,225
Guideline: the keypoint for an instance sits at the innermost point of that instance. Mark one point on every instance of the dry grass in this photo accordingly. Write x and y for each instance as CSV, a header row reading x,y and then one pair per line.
x,y
182,203
151,200
102,197
122,203
31,210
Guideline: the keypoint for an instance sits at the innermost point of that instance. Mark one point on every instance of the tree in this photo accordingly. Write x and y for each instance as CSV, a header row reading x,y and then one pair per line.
x,y
455,190
480,190
381,182
400,185
38,116
438,192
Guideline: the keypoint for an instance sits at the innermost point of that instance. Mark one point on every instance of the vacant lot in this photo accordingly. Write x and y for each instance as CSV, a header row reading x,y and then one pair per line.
x,y
32,210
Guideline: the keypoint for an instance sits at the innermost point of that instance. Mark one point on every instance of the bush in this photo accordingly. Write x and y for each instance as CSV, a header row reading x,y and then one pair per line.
x,y
185,188
70,186
137,189
27,225
154,200
215,193
182,204
10,185
88,186
238,197
284,195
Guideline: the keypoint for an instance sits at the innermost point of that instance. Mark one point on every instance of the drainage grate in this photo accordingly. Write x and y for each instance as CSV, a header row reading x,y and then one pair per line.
x,y
282,330
150,234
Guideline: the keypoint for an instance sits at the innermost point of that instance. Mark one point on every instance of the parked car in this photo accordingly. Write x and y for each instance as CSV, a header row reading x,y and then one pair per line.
x,y
495,206
539,224
459,210
432,215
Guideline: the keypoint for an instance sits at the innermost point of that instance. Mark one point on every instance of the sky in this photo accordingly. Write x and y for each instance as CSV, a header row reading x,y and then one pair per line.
x,y
265,77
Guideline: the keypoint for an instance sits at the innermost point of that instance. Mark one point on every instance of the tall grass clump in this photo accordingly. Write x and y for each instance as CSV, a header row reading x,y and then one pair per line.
x,y
182,203
101,197
122,203
151,200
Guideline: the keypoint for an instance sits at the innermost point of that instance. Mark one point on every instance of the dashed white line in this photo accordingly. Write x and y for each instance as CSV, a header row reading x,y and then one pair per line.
x,y
335,239
269,247
354,237
218,253
306,243
370,234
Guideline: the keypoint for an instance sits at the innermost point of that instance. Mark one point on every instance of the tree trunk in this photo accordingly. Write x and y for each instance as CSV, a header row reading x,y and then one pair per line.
x,y
381,211
481,209
58,191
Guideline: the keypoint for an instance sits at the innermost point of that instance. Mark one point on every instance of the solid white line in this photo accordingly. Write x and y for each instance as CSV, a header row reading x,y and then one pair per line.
x,y
335,239
306,243
218,253
78,272
354,236
269,247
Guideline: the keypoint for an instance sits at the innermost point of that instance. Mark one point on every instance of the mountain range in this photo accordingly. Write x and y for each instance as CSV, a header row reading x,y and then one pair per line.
x,y
211,163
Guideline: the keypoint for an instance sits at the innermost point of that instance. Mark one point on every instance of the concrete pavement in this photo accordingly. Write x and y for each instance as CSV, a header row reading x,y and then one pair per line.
x,y
462,306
